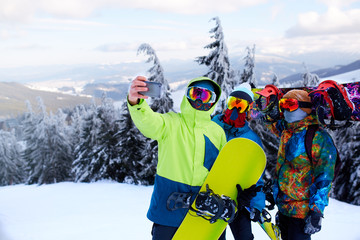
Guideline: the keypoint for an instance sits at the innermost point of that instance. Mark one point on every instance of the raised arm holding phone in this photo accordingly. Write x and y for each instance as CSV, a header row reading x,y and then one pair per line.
x,y
188,144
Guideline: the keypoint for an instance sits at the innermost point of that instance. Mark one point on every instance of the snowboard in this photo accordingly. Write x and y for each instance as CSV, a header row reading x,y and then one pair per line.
x,y
271,230
241,161
353,90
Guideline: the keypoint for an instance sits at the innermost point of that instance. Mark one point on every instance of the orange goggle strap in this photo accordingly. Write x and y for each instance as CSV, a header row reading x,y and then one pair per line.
x,y
239,103
205,95
291,104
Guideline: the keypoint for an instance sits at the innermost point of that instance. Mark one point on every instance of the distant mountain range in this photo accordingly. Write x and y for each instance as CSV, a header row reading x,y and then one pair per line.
x,y
67,86
13,97
324,73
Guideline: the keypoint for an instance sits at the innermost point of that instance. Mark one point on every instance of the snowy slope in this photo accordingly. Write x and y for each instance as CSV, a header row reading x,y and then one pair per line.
x,y
113,211
353,76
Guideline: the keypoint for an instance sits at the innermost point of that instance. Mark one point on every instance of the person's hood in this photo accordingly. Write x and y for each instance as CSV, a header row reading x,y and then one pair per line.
x,y
188,110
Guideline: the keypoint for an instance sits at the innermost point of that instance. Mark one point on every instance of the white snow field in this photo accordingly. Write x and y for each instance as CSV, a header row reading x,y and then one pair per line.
x,y
115,211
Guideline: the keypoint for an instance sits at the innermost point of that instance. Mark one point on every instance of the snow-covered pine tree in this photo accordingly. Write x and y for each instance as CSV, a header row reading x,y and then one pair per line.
x,y
132,144
347,184
219,64
275,80
156,74
83,166
75,129
107,151
27,126
310,79
97,154
36,150
60,155
248,74
147,165
47,153
11,166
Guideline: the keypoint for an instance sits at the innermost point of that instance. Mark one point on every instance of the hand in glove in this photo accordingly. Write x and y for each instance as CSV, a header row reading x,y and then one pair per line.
x,y
313,222
244,196
255,215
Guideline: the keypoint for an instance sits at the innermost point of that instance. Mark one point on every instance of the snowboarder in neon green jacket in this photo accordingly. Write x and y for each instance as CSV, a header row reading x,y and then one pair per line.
x,y
188,143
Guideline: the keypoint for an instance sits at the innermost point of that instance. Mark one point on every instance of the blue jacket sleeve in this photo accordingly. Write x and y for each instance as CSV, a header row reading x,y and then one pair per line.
x,y
324,157
258,201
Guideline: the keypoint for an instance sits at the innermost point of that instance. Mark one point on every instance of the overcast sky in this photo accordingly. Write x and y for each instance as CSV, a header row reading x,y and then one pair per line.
x,y
42,32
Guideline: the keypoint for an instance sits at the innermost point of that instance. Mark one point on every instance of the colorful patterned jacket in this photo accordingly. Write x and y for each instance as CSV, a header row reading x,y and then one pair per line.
x,y
188,143
300,185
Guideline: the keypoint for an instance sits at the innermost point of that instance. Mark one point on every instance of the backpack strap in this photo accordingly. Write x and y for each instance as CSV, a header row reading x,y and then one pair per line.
x,y
309,136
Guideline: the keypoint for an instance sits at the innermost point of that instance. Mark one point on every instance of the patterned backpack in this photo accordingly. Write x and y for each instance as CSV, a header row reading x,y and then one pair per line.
x,y
330,93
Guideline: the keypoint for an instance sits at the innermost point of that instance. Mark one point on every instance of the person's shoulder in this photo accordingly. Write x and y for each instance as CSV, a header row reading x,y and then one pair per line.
x,y
322,135
216,118
321,132
216,124
171,115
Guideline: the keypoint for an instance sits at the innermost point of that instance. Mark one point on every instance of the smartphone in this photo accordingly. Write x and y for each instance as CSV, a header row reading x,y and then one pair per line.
x,y
154,89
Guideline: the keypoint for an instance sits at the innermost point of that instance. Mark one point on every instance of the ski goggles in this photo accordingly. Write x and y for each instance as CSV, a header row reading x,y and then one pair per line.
x,y
291,104
265,104
203,94
239,103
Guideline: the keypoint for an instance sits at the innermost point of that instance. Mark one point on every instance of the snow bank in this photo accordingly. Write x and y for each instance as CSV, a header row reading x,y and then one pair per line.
x,y
113,211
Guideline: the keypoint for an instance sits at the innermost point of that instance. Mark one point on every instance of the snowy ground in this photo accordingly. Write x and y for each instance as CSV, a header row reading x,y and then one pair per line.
x,y
113,211
353,76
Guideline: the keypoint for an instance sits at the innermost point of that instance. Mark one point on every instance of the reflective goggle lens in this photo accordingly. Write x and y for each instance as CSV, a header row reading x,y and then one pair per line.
x,y
205,95
265,104
262,103
288,104
239,103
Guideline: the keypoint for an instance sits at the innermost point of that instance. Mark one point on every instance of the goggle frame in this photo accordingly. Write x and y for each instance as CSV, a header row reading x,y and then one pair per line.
x,y
239,103
291,104
212,97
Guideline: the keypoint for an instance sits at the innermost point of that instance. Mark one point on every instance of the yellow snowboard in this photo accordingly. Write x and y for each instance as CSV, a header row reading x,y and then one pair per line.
x,y
241,161
271,230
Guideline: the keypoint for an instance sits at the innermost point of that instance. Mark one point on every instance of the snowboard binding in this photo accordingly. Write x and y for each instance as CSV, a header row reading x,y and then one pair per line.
x,y
212,206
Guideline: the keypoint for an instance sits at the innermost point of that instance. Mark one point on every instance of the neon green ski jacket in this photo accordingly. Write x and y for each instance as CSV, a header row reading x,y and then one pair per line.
x,y
188,144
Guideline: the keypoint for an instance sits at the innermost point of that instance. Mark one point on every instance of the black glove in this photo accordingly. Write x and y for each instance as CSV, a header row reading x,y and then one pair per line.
x,y
244,196
313,222
277,218
255,215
